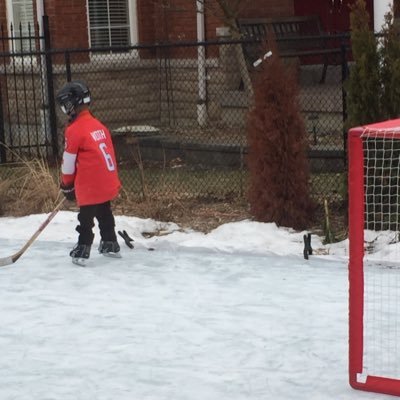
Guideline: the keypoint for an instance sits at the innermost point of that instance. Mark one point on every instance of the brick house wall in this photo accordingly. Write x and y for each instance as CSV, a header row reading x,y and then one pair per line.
x,y
268,8
146,23
160,20
68,23
177,20
3,17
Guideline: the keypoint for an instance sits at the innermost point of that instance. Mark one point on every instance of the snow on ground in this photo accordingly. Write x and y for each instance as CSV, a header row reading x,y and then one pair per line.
x,y
236,314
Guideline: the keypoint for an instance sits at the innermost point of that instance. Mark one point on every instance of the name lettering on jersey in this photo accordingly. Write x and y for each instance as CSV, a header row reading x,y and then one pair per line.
x,y
98,135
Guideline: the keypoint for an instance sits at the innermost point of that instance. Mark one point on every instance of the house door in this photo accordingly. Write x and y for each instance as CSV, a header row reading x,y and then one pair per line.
x,y
334,14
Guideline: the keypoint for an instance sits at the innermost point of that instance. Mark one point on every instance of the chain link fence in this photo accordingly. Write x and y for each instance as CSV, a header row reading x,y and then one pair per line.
x,y
177,112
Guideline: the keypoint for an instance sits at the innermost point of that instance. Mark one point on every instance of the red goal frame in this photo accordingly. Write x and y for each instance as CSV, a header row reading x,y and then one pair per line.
x,y
357,379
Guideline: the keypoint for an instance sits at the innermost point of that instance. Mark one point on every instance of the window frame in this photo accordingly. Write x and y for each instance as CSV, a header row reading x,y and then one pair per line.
x,y
132,18
11,20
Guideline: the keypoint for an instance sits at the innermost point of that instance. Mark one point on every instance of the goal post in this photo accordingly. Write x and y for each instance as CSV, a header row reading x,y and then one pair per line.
x,y
374,257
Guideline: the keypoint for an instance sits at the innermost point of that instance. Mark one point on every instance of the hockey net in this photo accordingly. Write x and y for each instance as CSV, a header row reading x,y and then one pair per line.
x,y
374,258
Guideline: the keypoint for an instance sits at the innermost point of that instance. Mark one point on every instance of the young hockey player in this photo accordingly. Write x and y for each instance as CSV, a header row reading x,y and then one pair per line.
x,y
89,172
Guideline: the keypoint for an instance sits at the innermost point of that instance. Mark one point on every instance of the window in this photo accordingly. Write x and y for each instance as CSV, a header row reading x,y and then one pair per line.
x,y
20,15
109,22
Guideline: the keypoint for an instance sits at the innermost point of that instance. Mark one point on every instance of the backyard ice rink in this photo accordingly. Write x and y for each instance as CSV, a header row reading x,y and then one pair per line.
x,y
234,314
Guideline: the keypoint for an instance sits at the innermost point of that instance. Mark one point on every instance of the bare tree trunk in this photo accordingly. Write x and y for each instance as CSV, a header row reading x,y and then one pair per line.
x,y
244,72
228,11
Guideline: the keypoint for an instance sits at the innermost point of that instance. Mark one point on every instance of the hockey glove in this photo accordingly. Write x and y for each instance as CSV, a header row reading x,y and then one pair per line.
x,y
126,238
68,191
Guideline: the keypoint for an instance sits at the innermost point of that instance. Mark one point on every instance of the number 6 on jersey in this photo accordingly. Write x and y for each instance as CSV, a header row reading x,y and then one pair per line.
x,y
107,157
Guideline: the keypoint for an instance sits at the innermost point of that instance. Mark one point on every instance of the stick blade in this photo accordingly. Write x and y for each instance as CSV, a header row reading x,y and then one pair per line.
x,y
6,261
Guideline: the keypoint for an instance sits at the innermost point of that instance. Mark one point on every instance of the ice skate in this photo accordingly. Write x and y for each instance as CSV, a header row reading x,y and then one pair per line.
x,y
80,254
109,249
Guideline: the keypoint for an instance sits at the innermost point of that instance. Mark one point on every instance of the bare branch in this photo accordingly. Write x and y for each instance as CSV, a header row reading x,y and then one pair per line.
x,y
226,10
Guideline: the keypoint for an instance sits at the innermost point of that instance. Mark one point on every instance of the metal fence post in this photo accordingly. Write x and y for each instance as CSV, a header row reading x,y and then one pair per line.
x,y
345,73
67,61
50,86
2,125
3,153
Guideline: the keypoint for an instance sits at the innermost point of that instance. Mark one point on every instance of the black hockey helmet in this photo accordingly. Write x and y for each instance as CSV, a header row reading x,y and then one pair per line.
x,y
71,95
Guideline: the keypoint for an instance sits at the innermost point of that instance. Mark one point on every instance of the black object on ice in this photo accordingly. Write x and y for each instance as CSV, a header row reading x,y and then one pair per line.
x,y
307,246
126,238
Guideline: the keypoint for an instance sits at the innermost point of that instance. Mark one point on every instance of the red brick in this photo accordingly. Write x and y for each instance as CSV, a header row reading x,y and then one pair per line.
x,y
158,20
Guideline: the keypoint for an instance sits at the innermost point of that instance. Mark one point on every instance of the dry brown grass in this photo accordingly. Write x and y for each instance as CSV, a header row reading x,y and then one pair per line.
x,y
30,187
201,214
206,214
27,187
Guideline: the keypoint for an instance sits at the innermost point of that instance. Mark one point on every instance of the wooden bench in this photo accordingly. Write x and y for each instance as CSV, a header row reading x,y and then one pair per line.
x,y
295,36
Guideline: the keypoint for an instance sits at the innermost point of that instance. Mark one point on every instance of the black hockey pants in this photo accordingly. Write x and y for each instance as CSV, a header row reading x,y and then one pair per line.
x,y
103,213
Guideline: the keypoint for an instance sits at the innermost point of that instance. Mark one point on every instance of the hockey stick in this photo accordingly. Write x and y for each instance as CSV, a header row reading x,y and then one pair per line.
x,y
12,259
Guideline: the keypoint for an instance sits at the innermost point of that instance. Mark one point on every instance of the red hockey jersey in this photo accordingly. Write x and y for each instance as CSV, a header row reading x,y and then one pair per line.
x,y
89,161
